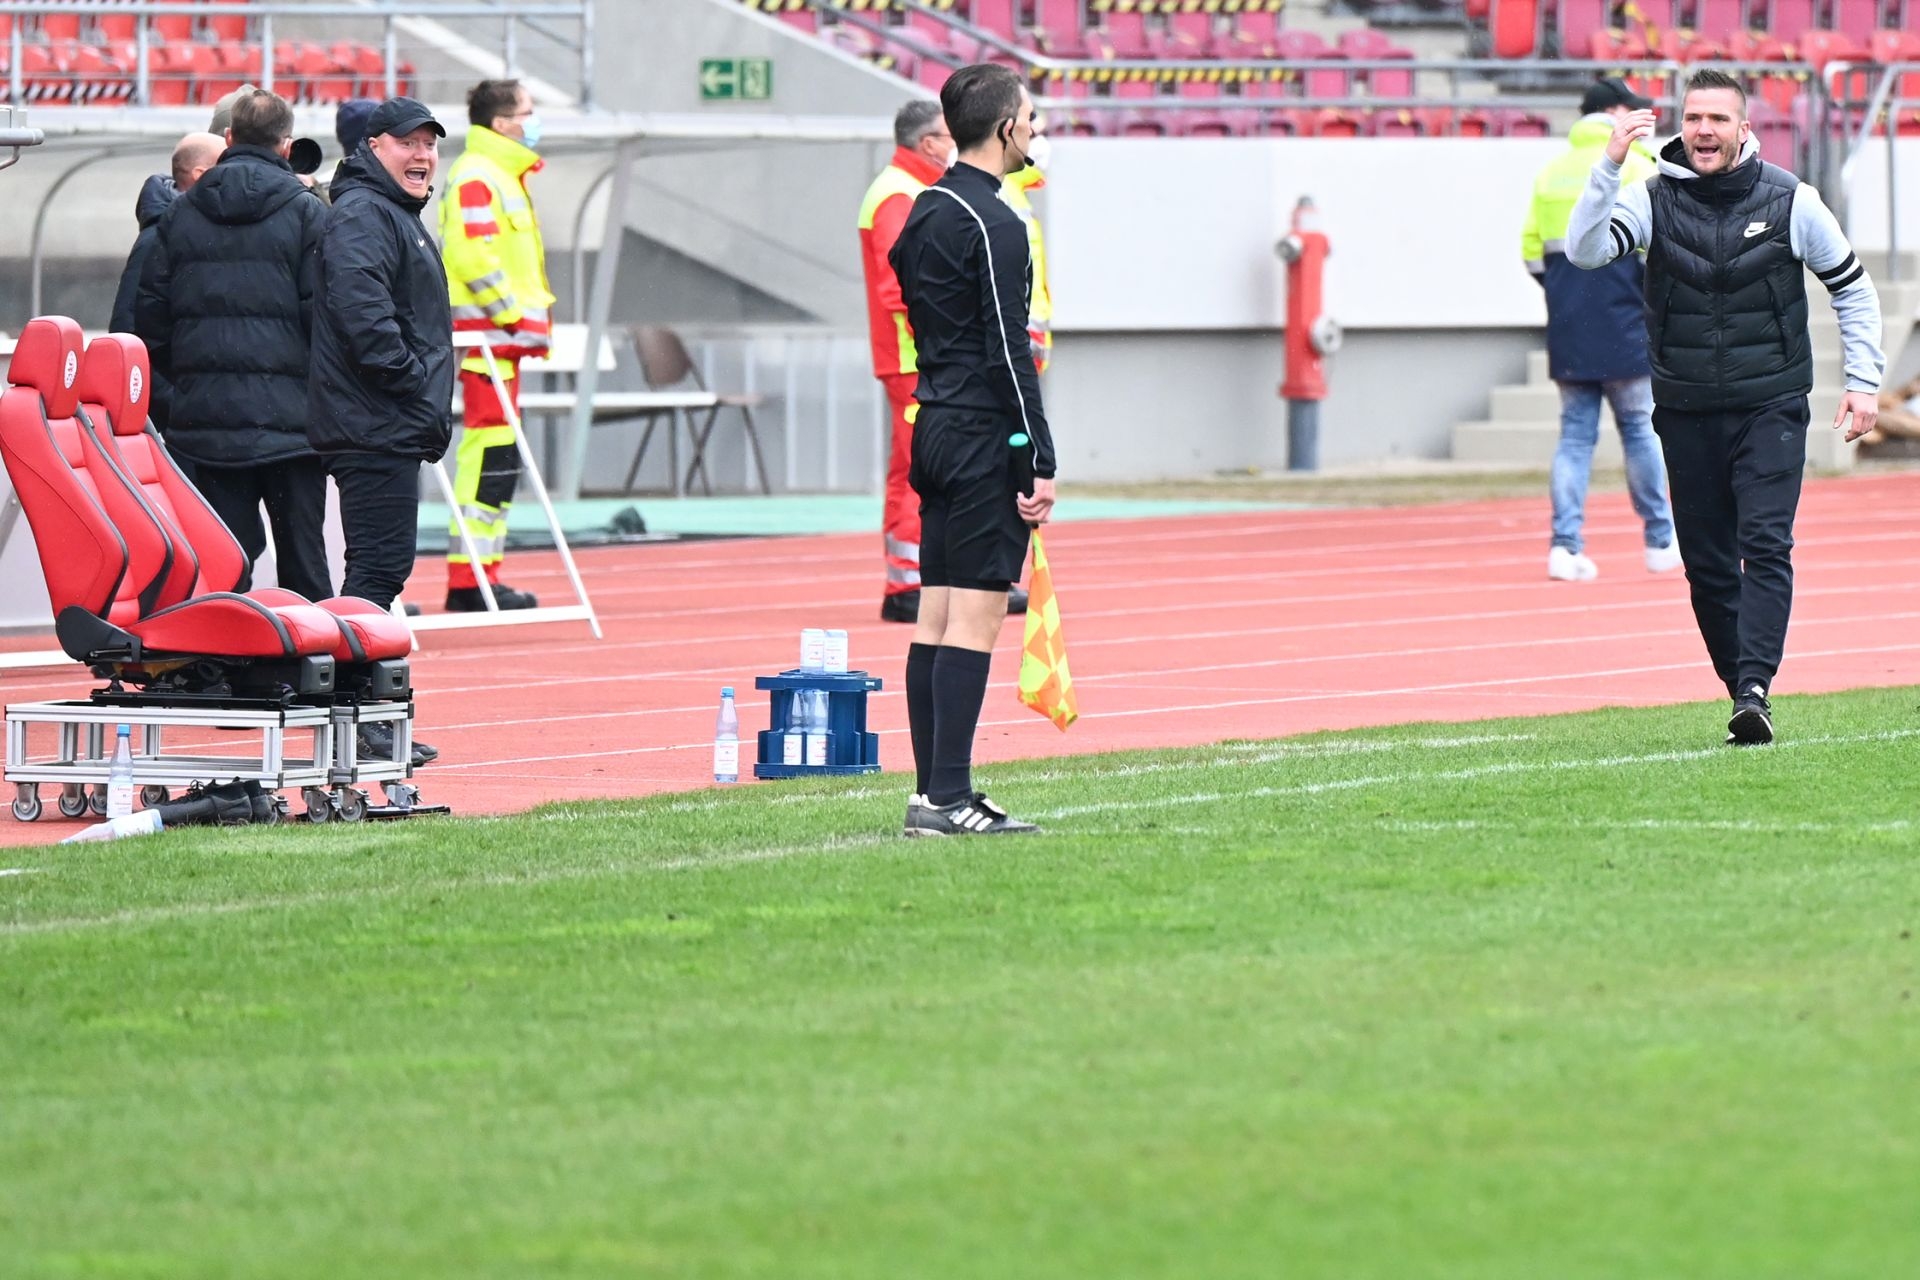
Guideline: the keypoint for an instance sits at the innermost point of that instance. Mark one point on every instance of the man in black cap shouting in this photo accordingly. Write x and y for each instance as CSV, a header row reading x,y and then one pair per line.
x,y
381,386
1596,346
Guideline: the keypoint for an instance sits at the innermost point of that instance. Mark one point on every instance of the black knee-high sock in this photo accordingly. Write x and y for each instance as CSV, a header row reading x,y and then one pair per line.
x,y
920,710
959,691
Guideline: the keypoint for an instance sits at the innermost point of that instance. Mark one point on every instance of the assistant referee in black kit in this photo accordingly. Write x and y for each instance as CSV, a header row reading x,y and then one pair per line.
x,y
966,274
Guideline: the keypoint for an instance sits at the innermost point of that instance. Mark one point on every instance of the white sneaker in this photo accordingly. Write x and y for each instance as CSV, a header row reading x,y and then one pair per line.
x,y
1570,566
1663,559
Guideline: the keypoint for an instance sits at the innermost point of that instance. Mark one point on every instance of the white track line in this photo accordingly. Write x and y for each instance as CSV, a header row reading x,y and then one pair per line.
x,y
513,763
292,902
1503,768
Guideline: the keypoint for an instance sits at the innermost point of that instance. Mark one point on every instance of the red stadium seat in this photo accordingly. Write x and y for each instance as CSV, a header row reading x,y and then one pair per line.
x,y
227,26
231,66
107,559
56,27
1368,45
201,555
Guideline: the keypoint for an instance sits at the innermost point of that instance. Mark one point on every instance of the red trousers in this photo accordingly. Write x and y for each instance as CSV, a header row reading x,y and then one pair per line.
x,y
900,522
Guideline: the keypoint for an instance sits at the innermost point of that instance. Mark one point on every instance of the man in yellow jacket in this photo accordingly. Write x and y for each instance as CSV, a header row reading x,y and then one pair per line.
x,y
1596,345
497,276
1014,189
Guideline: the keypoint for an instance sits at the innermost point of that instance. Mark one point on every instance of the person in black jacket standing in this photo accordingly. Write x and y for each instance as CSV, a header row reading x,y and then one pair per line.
x,y
966,274
381,389
193,156
225,312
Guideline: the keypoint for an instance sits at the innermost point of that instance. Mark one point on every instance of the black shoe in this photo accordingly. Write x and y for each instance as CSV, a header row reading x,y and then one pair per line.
x,y
904,607
976,816
1752,721
469,599
1016,600
376,742
225,805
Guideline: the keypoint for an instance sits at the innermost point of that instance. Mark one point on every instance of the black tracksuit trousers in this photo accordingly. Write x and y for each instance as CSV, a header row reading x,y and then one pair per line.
x,y
1735,480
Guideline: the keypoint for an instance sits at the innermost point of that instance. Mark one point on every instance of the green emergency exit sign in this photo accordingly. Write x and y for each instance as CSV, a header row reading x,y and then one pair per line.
x,y
736,79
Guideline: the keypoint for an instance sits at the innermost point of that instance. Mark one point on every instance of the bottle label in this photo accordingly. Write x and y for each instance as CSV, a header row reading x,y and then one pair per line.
x,y
119,799
726,759
837,652
790,747
817,748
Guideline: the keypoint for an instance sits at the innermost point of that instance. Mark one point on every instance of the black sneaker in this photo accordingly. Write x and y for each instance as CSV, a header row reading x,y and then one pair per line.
x,y
469,599
1016,600
376,743
1752,721
904,607
977,816
916,808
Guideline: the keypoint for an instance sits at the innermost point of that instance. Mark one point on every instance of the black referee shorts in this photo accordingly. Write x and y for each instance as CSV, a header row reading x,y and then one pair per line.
x,y
971,533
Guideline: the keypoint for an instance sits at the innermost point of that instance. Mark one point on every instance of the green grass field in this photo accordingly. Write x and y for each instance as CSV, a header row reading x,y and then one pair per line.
x,y
1575,997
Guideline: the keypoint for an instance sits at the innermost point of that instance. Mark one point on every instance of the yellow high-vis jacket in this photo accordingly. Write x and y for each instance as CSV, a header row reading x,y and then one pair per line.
x,y
1040,306
490,239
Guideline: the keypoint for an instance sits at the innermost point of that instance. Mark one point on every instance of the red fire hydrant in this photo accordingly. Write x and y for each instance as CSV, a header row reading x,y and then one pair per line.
x,y
1312,335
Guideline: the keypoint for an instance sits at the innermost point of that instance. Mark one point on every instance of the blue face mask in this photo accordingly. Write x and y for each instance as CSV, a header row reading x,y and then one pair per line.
x,y
531,134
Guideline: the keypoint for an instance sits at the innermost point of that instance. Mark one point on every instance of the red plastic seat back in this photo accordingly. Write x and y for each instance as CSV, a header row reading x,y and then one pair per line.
x,y
82,554
116,385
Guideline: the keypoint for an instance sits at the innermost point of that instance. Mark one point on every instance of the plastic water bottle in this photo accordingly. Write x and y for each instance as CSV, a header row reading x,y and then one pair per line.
x,y
726,740
120,775
817,727
793,734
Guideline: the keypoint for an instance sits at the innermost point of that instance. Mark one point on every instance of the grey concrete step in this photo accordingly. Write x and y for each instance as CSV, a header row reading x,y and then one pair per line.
x,y
1530,443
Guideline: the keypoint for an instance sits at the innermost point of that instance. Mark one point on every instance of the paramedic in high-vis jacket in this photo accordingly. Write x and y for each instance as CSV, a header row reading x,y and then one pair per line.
x,y
497,278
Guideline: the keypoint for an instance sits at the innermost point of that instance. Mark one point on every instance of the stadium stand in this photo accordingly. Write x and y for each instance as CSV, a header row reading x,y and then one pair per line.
x,y
76,58
1269,77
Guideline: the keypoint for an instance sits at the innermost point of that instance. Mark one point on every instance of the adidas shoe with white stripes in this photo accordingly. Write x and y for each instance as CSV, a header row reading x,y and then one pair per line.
x,y
975,816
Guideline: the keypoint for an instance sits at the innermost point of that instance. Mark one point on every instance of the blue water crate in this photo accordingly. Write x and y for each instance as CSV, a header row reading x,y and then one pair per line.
x,y
850,748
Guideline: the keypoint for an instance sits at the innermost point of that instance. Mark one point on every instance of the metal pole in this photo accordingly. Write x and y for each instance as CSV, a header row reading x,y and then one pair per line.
x,y
142,62
266,51
40,220
1303,435
18,51
508,47
606,271
580,244
1893,193
391,48
586,56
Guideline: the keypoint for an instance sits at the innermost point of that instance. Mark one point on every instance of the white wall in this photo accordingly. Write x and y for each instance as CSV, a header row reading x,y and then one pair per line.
x,y
1163,234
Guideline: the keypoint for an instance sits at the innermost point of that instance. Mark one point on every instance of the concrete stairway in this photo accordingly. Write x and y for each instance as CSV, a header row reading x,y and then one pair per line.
x,y
1523,422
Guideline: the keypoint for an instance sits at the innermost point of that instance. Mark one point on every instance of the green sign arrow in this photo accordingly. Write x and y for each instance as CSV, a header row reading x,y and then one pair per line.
x,y
727,79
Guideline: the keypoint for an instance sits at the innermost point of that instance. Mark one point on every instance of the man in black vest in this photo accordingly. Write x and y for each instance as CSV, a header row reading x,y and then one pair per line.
x,y
1729,239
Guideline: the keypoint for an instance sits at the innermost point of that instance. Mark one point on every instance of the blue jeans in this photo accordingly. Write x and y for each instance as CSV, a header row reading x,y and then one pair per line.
x,y
1632,400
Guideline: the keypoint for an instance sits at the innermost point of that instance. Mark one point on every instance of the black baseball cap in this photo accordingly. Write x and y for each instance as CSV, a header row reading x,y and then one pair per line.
x,y
401,116
1604,95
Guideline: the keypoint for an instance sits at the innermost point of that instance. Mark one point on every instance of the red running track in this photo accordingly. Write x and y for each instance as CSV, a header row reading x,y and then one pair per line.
x,y
1181,631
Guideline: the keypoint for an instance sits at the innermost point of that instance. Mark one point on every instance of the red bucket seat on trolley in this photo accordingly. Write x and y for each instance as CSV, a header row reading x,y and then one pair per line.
x,y
108,562
115,382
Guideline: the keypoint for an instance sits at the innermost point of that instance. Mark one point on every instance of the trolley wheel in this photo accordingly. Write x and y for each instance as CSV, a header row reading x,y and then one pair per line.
x,y
353,804
319,805
97,800
73,801
401,795
153,793
276,810
26,802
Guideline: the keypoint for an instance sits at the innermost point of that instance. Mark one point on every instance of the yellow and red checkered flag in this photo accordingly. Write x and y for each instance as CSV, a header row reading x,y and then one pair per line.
x,y
1045,684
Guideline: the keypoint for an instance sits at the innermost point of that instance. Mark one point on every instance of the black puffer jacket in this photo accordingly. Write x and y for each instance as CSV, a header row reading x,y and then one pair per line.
x,y
157,195
225,309
383,367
